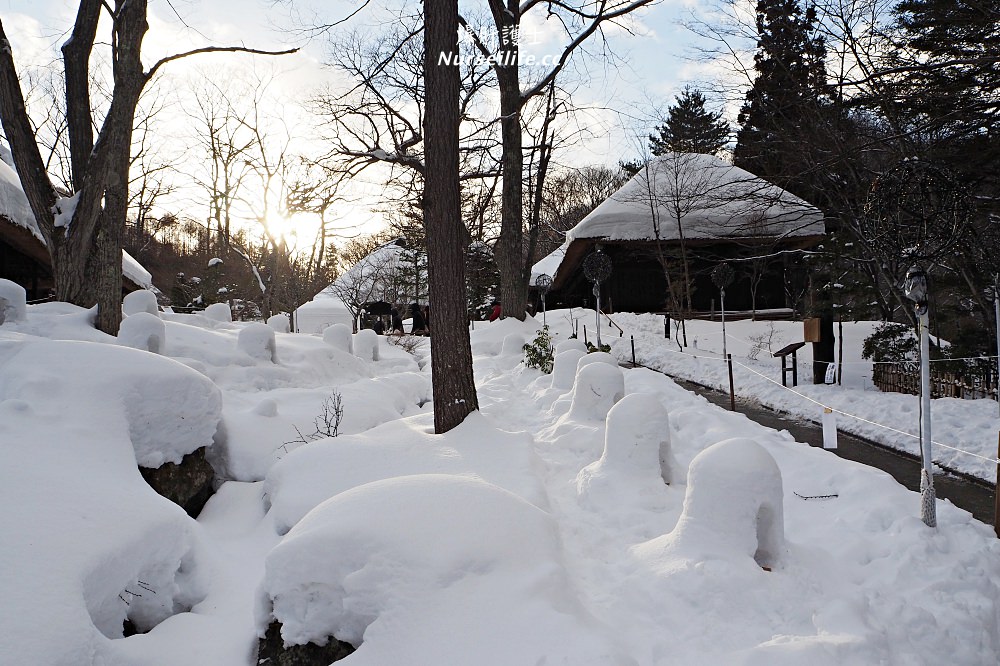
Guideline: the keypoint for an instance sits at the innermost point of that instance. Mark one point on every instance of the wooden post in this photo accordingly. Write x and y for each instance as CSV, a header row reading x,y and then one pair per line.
x,y
585,334
633,349
732,391
840,352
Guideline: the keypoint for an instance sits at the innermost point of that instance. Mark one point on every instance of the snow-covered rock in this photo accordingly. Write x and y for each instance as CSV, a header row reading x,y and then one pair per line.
x,y
366,345
513,345
141,300
218,312
142,330
12,302
257,340
339,337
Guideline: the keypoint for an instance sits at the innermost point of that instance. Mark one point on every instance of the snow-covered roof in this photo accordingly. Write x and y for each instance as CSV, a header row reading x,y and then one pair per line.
x,y
707,196
367,278
15,207
549,264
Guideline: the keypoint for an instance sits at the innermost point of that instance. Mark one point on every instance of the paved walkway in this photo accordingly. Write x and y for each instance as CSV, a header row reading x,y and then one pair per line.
x,y
973,495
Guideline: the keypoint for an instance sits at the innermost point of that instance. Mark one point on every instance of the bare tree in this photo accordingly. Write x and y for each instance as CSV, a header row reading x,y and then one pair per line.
x,y
451,359
83,232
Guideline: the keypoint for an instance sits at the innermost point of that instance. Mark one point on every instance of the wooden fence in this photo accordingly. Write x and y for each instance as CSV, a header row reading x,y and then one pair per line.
x,y
905,378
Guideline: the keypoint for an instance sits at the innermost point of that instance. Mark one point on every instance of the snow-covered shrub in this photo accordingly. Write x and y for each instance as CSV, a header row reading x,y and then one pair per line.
x,y
539,353
452,547
257,340
141,300
733,505
636,454
595,357
13,305
279,323
513,345
339,337
219,312
570,343
598,387
142,330
564,367
366,345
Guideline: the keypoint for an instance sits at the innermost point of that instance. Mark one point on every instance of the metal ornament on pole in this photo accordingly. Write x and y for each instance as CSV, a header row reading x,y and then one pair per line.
x,y
543,283
915,289
597,269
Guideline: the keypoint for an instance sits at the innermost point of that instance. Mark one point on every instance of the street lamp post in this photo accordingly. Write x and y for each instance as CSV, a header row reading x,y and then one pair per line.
x,y
722,276
915,288
543,283
597,269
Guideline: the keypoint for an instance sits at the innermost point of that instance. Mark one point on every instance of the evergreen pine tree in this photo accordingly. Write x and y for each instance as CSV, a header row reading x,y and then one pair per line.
x,y
787,102
690,128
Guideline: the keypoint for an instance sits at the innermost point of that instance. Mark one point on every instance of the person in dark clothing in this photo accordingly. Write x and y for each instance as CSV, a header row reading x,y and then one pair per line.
x,y
397,321
419,326
495,312
378,326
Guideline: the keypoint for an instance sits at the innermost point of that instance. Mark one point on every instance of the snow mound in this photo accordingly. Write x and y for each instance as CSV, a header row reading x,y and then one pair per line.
x,y
366,345
513,345
564,367
460,555
570,343
257,340
597,388
733,507
476,448
596,357
637,456
169,410
279,323
141,300
142,330
13,305
338,336
218,312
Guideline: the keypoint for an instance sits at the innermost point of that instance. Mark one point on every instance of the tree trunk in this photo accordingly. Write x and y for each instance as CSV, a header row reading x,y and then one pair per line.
x,y
509,249
451,357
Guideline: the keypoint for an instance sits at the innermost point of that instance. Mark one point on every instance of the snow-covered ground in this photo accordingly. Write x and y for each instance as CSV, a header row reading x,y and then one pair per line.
x,y
541,530
964,432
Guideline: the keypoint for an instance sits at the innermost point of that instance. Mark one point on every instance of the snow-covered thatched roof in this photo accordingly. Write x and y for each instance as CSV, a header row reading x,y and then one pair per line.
x,y
370,279
704,197
15,209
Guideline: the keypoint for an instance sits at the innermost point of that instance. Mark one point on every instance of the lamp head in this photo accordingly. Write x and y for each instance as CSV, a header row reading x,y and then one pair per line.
x,y
915,288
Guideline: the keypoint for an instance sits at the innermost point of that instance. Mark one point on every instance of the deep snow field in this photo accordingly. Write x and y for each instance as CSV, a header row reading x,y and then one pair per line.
x,y
594,516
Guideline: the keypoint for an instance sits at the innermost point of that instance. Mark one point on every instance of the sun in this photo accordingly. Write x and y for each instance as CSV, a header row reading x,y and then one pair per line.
x,y
296,230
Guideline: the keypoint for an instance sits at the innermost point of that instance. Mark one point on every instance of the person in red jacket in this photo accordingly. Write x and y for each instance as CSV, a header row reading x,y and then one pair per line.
x,y
495,313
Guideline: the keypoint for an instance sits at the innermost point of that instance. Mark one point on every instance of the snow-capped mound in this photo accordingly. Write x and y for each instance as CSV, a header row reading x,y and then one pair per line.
x,y
279,323
458,554
366,345
141,300
13,305
257,340
142,330
219,312
339,337
597,388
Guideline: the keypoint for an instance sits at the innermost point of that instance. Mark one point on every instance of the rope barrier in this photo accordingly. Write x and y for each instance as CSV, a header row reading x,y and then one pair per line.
x,y
839,411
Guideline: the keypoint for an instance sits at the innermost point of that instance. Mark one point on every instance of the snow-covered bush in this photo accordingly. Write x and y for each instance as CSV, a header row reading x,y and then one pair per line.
x,y
596,357
141,300
142,330
539,353
279,323
564,367
257,340
339,337
219,312
733,506
366,345
598,387
12,302
637,455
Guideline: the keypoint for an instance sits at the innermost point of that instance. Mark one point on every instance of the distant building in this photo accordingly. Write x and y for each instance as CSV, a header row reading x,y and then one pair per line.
x,y
723,213
24,258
